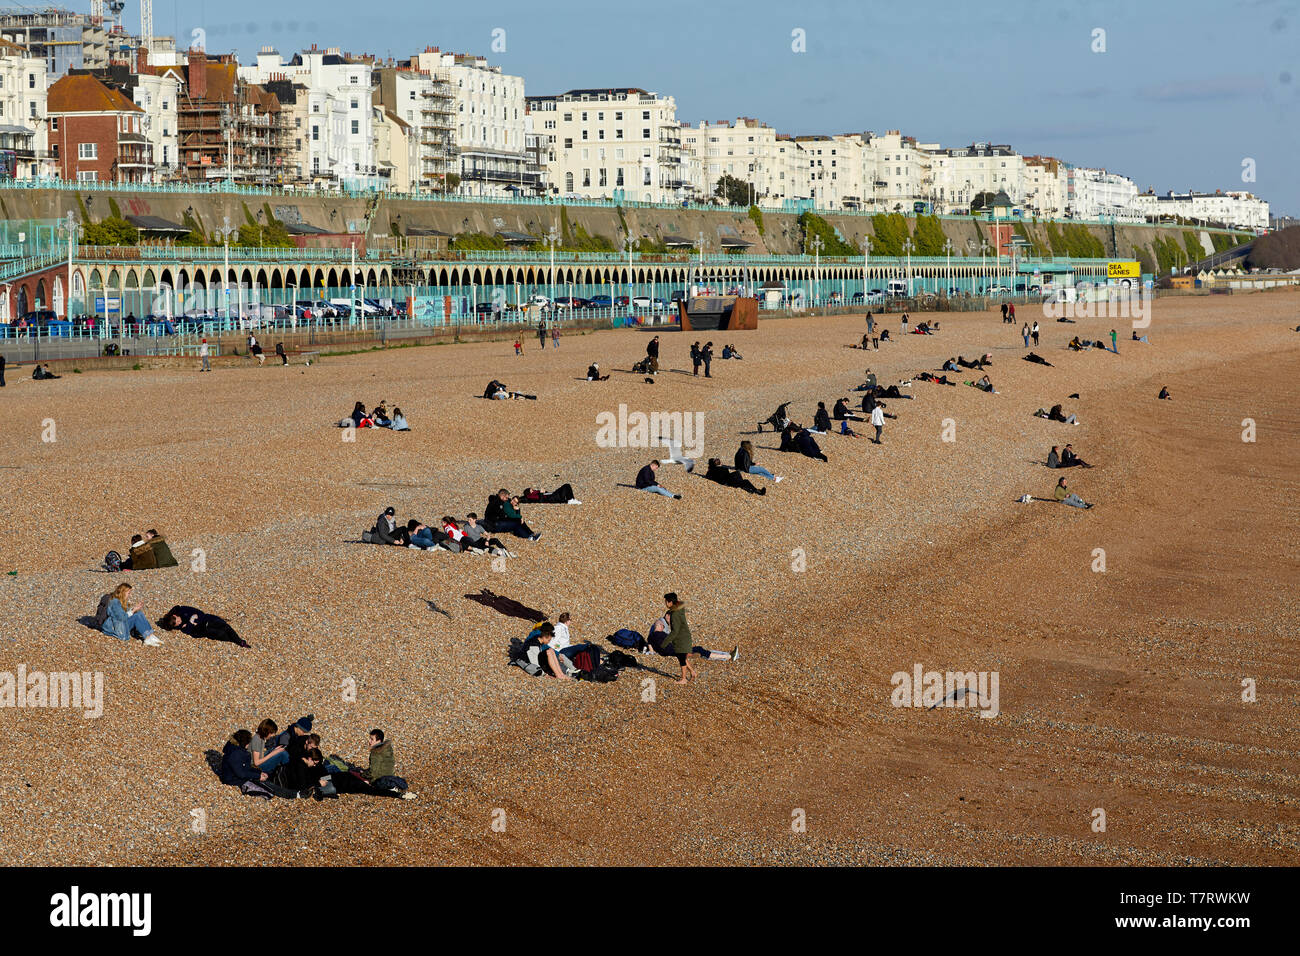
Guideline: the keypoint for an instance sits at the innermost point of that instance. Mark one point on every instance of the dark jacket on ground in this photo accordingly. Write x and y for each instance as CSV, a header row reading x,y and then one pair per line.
x,y
237,764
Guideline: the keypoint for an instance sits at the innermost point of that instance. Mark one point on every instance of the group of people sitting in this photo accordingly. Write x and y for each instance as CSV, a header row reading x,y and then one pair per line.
x,y
117,617
1083,345
42,373
290,764
473,534
729,352
498,391
647,479
148,550
1065,458
378,417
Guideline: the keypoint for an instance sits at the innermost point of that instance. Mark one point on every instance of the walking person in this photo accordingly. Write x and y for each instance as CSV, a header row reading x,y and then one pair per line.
x,y
695,358
279,350
541,335
2,371
1004,313
555,337
205,366
878,420
706,356
1114,347
677,642
652,349
1034,333
904,323
1024,333
1011,313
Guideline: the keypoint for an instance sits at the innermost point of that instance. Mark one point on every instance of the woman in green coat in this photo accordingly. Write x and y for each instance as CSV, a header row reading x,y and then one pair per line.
x,y
677,643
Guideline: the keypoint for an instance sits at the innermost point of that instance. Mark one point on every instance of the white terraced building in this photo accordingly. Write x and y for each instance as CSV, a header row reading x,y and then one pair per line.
x,y
489,123
621,143
1096,194
338,137
748,150
1237,208
23,125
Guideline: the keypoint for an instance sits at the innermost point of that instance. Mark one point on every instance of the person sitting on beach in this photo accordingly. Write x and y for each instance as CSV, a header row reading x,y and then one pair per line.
x,y
1064,495
950,366
562,495
1070,460
263,759
479,538
456,538
359,417
593,373
884,335
1057,415
821,419
548,658
1075,345
113,618
380,416
1164,393
865,343
842,411
42,373
847,431
923,328
803,442
139,556
1053,458
398,422
985,385
419,535
387,531
195,623
237,763
677,642
381,767
729,352
745,463
722,475
646,481
159,551
502,516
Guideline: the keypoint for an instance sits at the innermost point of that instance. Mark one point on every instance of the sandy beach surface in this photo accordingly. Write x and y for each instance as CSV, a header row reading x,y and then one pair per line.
x,y
1120,690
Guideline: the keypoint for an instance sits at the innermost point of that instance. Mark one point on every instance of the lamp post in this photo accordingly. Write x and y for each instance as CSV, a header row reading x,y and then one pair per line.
x,y
552,238
984,276
72,246
907,248
866,259
630,242
947,247
816,246
226,232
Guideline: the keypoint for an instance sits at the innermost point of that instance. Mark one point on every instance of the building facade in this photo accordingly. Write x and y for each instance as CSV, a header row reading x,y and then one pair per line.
x,y
613,144
96,133
24,127
1236,209
1098,194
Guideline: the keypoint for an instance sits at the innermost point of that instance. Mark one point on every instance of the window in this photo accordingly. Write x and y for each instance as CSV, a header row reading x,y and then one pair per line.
x,y
86,175
354,102
600,134
645,115
604,179
586,177
315,164
584,134
297,122
568,117
645,134
412,94
568,182
166,105
618,134
618,176
315,133
31,109
584,117
568,142
356,127
31,81
645,176
87,151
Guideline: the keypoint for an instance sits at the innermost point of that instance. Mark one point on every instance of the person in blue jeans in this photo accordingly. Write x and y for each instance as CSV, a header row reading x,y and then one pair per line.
x,y
745,462
646,481
263,759
112,617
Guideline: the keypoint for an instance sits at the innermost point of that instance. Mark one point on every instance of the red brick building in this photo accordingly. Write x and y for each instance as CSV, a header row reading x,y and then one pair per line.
x,y
96,134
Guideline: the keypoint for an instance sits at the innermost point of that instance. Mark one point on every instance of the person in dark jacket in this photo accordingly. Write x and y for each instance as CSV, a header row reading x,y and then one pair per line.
x,y
821,418
162,553
706,356
2,371
695,358
237,762
502,516
387,530
652,349
745,462
196,623
677,642
279,350
304,772
842,412
731,479
646,480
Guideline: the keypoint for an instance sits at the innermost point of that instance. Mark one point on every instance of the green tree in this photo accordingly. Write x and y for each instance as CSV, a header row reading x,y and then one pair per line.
x,y
112,231
734,191
928,237
831,245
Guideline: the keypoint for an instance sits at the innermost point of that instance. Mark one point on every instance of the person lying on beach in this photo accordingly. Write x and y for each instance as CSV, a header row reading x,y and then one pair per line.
x,y
801,440
963,363
936,379
195,623
1057,415
646,480
593,373
720,474
1064,495
1037,359
676,641
1138,338
497,390
950,366
562,495
923,328
112,617
745,463
1164,393
985,385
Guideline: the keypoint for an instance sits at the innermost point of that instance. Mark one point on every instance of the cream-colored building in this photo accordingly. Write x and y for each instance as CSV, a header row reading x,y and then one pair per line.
x,y
1096,194
23,125
423,100
1234,208
748,150
157,94
1045,187
397,149
961,173
489,123
613,144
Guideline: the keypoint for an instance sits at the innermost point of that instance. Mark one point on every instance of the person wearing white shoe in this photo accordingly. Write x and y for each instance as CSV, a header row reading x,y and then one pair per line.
x,y
112,617
745,463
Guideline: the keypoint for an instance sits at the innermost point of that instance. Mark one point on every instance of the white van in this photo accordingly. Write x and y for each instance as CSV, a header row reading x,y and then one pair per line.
x,y
897,287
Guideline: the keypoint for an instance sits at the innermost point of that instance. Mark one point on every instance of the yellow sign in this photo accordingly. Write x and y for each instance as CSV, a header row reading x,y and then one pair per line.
x,y
1123,270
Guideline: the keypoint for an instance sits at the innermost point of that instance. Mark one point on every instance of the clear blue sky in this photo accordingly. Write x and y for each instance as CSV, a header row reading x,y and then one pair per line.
x,y
1184,92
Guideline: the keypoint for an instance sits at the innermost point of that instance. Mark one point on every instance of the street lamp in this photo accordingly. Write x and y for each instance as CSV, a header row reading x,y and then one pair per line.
x,y
226,232
984,276
947,247
552,238
629,243
907,248
866,259
816,246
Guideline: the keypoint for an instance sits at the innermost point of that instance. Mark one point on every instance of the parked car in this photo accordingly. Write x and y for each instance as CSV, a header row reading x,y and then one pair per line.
x,y
897,287
485,308
600,302
621,300
641,302
567,302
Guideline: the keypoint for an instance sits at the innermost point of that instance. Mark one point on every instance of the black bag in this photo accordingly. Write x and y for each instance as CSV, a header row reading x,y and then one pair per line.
x,y
113,561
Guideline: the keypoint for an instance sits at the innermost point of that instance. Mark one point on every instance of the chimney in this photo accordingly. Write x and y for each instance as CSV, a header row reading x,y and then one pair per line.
x,y
142,60
196,74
